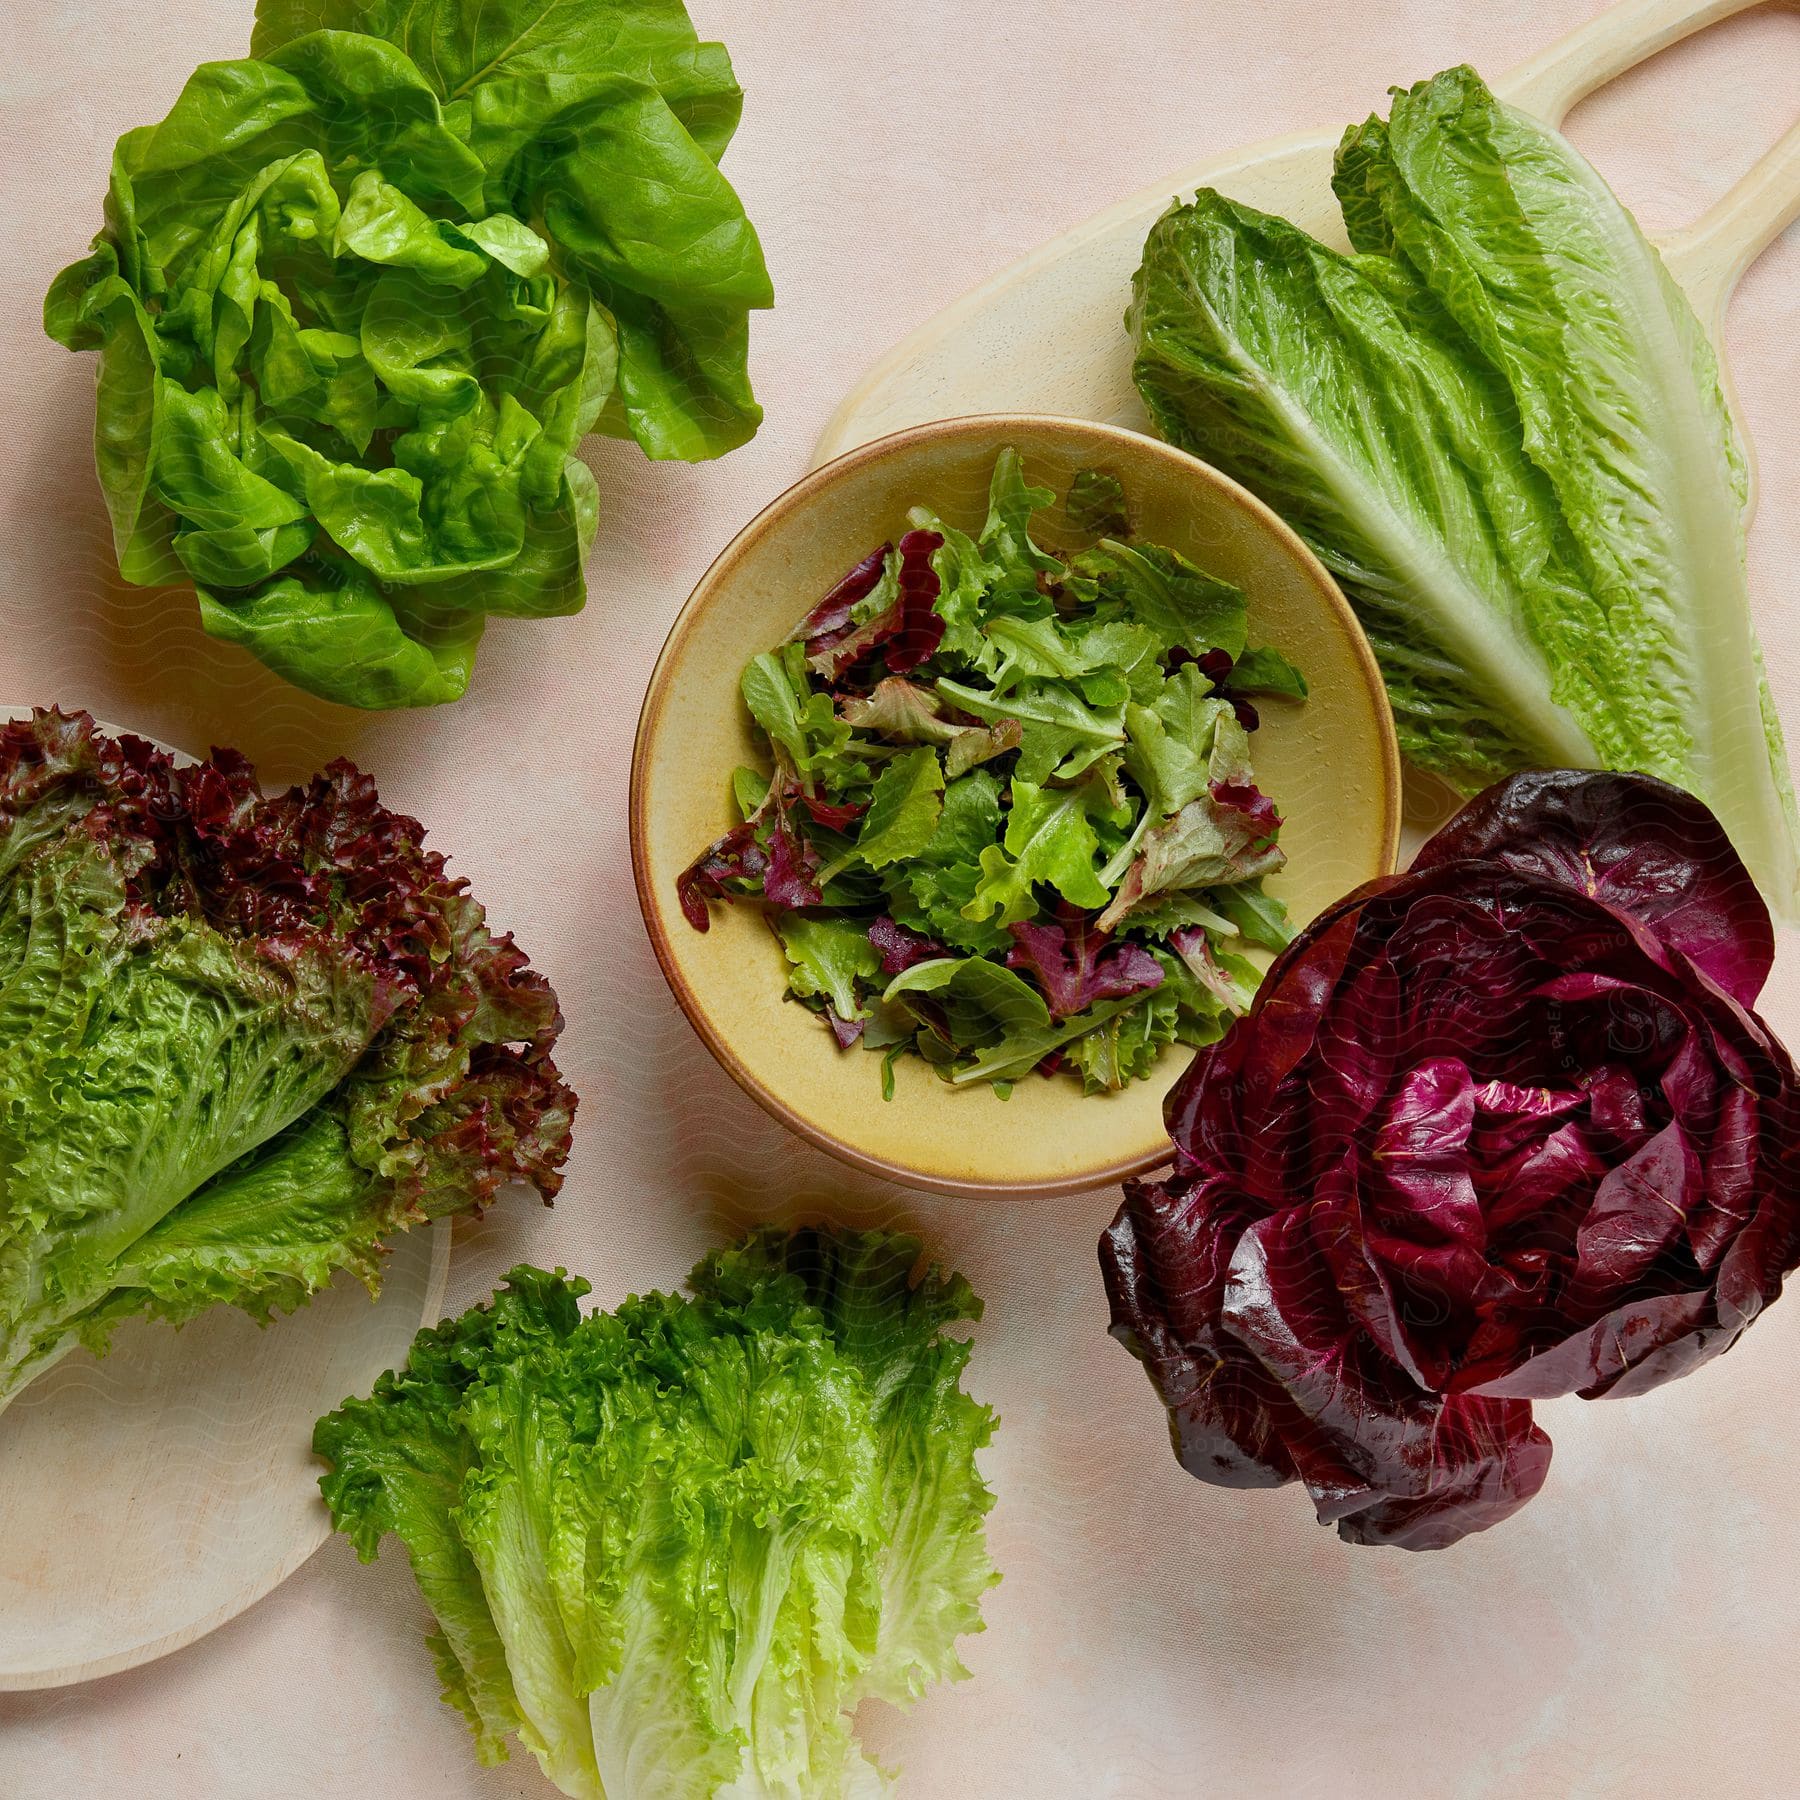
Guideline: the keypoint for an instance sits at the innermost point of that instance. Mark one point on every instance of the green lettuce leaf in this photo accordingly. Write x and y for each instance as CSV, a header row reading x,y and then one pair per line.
x,y
1169,745
1338,390
1260,918
1162,590
1095,505
1616,396
1050,838
981,1000
1501,426
399,1461
359,298
890,1324
800,723
931,893
904,809
137,1066
1025,1044
671,1548
1264,671
828,957
1125,1047
1061,735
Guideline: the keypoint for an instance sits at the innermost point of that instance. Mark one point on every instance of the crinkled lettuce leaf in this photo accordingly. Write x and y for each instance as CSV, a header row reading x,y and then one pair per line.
x,y
672,1547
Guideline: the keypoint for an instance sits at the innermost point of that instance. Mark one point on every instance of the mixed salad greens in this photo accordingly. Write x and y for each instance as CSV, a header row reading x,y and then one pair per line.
x,y
1500,424
1011,822
244,1039
671,1548
360,296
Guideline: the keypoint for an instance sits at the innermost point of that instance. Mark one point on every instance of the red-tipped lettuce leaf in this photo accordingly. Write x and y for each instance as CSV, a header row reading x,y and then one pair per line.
x,y
829,621
790,880
1218,838
921,627
902,712
736,856
310,1033
906,631
767,852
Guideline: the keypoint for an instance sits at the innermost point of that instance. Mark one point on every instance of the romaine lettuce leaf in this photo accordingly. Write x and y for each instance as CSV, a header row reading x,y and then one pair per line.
x,y
1616,395
1501,426
1341,394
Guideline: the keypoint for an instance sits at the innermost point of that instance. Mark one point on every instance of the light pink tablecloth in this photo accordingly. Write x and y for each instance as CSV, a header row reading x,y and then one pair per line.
x,y
1635,1631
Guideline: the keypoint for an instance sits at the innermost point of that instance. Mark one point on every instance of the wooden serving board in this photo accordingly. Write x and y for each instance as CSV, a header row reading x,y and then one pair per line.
x,y
148,1497
1045,335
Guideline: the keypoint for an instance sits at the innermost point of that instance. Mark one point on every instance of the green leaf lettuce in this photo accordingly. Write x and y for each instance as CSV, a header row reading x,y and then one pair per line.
x,y
672,1547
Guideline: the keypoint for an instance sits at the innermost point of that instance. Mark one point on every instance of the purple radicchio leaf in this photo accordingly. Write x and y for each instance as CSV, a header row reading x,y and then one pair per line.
x,y
899,948
1637,845
1076,967
1485,1136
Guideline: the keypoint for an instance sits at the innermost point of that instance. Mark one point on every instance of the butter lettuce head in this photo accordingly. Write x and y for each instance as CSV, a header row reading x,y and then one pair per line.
x,y
1500,424
671,1548
243,1040
359,298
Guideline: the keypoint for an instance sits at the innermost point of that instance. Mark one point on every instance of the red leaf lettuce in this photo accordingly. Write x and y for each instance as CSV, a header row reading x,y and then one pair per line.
x,y
244,1038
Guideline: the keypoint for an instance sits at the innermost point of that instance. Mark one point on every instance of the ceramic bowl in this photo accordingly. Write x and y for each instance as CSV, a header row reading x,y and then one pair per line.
x,y
1331,765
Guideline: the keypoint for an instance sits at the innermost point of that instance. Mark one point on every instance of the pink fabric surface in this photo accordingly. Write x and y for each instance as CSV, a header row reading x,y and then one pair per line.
x,y
1633,1631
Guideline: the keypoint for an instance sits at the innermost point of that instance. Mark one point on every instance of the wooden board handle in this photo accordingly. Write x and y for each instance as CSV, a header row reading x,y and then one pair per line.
x,y
1724,241
1593,54
1709,256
